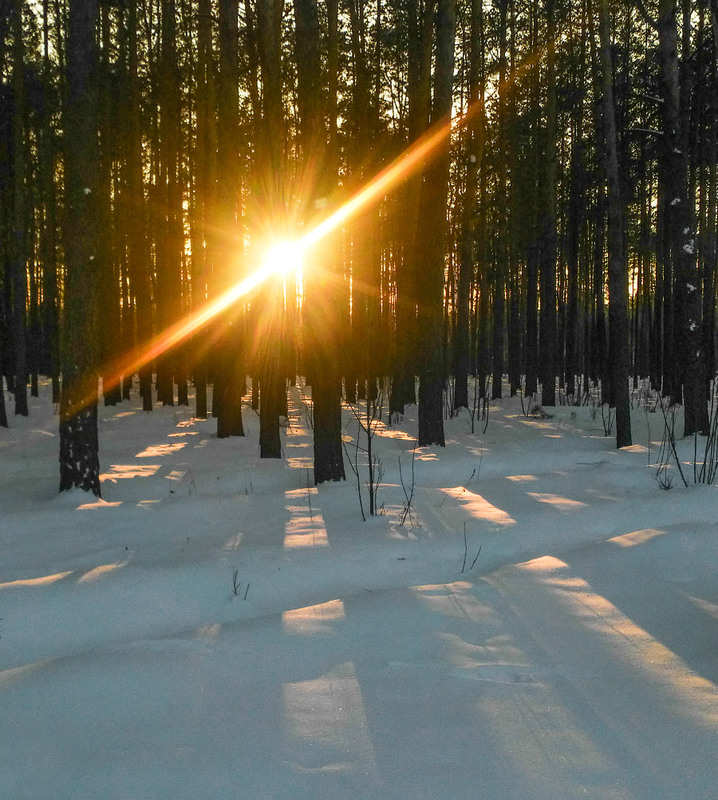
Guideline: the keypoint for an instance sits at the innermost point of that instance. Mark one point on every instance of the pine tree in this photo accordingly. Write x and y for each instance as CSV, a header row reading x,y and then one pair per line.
x,y
79,456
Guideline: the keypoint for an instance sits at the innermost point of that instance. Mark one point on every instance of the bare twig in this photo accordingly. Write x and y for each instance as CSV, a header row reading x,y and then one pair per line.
x,y
643,11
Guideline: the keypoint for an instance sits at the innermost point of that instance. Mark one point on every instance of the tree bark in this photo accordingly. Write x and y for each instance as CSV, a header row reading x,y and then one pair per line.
x,y
681,229
419,34
547,318
498,334
18,258
272,191
321,312
617,269
231,382
433,235
138,244
467,243
79,456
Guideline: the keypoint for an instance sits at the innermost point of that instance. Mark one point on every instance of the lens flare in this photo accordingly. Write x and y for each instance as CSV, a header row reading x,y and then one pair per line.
x,y
286,256
282,258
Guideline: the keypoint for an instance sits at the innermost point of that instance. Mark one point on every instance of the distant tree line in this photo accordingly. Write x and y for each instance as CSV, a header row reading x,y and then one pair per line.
x,y
560,238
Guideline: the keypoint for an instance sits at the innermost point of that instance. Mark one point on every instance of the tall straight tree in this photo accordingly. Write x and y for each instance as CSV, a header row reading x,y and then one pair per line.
x,y
49,233
18,261
321,295
170,237
109,283
271,176
500,244
547,317
467,243
681,226
420,17
230,376
617,271
79,456
205,164
433,233
138,243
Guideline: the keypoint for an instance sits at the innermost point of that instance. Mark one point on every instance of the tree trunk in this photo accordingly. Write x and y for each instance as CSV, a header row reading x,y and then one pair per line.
x,y
271,176
548,340
138,244
433,235
18,258
681,231
420,28
231,382
79,457
617,269
710,249
48,246
170,237
110,343
321,312
500,242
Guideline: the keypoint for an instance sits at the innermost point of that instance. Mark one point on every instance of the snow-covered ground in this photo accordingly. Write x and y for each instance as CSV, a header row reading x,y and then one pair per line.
x,y
218,628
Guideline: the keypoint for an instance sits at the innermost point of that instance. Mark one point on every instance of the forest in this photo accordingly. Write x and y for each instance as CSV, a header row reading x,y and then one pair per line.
x,y
463,198
375,343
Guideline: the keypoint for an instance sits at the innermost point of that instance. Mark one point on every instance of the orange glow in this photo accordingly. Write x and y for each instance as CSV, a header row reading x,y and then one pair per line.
x,y
287,255
43,581
558,502
283,257
404,165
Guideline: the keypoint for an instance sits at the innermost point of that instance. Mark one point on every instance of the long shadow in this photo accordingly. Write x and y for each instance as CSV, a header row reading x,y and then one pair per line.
x,y
463,698
672,595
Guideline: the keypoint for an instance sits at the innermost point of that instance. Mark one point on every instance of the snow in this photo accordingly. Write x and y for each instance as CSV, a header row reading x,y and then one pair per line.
x,y
217,627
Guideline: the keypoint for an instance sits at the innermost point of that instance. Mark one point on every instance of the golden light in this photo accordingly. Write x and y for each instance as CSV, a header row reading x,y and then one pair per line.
x,y
283,257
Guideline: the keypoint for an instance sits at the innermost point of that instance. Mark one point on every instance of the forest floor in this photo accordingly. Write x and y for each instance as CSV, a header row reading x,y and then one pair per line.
x,y
543,626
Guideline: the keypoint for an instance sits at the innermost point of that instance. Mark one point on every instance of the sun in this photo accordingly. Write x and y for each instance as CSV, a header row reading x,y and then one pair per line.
x,y
282,258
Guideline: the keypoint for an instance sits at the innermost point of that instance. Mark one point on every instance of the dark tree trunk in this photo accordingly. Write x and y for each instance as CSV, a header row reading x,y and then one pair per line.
x,y
110,344
230,377
532,361
467,244
271,176
323,300
577,202
138,244
79,457
420,29
548,340
433,235
328,455
48,245
617,269
681,228
205,159
710,250
533,254
170,236
500,244
18,257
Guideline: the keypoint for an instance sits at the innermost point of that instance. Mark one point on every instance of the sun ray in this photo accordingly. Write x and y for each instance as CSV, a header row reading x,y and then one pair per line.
x,y
286,255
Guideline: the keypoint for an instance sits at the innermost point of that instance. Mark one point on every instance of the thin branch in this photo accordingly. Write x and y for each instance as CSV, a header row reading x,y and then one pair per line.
x,y
643,11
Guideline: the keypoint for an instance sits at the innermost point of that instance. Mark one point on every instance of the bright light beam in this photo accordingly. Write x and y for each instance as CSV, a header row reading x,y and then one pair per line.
x,y
287,255
403,165
283,257
177,333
